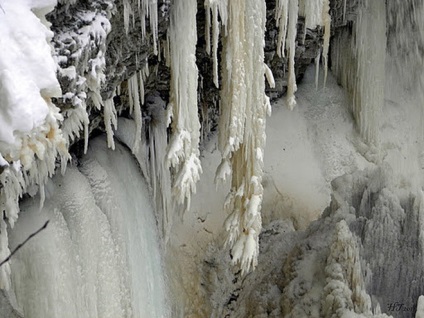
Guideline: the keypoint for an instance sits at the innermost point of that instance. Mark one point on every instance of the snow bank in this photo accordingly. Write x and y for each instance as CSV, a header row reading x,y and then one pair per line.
x,y
30,137
27,69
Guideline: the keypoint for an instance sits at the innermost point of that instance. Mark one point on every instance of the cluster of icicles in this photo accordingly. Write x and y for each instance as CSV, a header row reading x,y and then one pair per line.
x,y
244,107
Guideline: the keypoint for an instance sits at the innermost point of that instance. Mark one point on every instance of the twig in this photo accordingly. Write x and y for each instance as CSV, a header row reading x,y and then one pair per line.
x,y
24,242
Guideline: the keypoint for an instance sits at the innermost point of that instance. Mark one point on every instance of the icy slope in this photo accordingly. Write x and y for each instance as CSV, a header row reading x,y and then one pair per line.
x,y
99,256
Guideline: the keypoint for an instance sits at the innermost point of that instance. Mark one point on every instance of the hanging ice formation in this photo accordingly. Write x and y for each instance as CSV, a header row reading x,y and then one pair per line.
x,y
145,8
29,159
244,106
286,14
360,67
183,149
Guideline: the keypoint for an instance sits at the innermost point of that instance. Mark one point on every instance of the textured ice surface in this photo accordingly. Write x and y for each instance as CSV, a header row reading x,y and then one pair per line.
x,y
99,256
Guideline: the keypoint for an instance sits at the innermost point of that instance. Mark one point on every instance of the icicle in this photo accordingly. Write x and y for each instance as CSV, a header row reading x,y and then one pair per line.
x,y
216,8
183,151
291,46
313,13
127,12
208,28
135,108
316,13
326,19
42,195
160,177
281,17
242,126
269,76
317,59
153,15
141,81
344,11
110,118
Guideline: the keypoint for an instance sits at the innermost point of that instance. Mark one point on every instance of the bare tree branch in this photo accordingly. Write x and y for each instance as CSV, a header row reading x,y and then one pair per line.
x,y
24,242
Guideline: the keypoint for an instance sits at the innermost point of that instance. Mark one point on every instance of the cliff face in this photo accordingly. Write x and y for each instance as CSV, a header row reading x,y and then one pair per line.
x,y
93,50
363,256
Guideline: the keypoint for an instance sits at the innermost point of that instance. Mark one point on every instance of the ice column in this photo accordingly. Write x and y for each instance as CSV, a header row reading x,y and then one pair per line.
x,y
242,126
183,149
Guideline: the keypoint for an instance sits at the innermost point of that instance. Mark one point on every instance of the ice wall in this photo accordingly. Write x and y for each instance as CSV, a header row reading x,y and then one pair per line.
x,y
358,56
99,256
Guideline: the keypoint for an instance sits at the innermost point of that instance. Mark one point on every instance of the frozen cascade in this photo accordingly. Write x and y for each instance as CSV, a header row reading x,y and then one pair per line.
x,y
360,66
99,256
183,151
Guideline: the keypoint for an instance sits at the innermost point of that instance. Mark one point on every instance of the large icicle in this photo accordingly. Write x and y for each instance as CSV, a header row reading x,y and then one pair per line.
x,y
286,15
134,88
326,20
183,151
242,126
291,47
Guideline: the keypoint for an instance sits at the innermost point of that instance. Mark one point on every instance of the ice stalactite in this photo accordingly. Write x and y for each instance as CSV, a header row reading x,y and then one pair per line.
x,y
242,126
293,12
145,9
360,66
110,118
160,178
136,99
183,149
90,38
326,20
215,8
316,13
286,15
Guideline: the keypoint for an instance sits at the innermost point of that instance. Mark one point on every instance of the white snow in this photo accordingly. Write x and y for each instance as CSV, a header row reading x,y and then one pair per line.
x,y
27,70
30,137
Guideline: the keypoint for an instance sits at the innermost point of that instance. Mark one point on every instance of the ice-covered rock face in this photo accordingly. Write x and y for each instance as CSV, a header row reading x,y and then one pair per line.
x,y
92,45
362,257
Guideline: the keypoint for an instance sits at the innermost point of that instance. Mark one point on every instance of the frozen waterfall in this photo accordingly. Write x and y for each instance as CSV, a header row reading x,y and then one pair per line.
x,y
99,256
